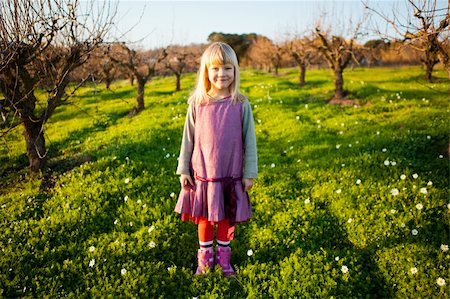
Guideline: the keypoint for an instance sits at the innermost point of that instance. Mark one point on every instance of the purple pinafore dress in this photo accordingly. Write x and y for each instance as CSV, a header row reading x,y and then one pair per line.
x,y
216,165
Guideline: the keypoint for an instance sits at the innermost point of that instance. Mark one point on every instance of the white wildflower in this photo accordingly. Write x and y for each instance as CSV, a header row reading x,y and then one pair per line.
x,y
249,252
123,271
423,190
414,232
91,263
395,192
444,247
419,206
413,270
344,269
440,281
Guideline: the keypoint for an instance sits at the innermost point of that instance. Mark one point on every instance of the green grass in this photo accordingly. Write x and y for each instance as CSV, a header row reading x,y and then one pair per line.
x,y
325,196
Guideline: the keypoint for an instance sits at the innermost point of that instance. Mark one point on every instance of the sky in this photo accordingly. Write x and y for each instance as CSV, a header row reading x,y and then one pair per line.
x,y
153,24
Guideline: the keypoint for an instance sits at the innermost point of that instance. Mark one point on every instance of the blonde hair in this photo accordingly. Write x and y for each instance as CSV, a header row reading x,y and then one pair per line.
x,y
217,53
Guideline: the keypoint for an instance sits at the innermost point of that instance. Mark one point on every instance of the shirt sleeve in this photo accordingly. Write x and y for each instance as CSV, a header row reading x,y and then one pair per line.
x,y
187,143
249,139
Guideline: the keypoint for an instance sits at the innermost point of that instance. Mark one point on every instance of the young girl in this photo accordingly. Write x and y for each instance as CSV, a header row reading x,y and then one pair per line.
x,y
218,160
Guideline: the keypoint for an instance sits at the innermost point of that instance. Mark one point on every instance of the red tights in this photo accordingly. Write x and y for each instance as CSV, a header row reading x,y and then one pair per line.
x,y
206,230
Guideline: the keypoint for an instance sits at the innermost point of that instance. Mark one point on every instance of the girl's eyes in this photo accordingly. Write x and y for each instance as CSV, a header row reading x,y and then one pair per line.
x,y
217,68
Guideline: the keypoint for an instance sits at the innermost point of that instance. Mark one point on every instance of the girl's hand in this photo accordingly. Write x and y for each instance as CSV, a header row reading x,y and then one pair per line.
x,y
186,181
247,184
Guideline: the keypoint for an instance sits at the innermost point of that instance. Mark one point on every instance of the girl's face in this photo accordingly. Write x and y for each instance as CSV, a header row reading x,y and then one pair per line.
x,y
221,76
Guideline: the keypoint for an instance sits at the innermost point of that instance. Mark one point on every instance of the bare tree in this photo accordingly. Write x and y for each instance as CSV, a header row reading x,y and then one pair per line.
x,y
301,51
276,56
142,65
177,61
337,52
99,67
102,65
424,29
41,43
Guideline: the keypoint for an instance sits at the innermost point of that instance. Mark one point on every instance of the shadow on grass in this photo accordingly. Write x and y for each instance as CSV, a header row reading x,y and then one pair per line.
x,y
64,239
158,93
326,231
12,170
319,233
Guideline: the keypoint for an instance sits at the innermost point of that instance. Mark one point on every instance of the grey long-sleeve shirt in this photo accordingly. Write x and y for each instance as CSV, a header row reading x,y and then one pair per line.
x,y
250,162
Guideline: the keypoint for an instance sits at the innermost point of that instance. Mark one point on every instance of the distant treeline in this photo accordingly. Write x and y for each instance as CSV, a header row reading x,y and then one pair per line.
x,y
253,50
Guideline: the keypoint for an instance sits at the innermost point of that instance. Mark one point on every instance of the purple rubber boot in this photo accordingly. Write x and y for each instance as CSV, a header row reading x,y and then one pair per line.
x,y
223,260
205,260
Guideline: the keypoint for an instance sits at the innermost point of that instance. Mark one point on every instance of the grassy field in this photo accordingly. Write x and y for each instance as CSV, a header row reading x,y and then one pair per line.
x,y
351,201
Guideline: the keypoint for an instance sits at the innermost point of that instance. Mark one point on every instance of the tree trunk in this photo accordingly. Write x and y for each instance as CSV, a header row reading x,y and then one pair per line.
x,y
140,95
429,70
108,83
338,84
302,74
35,143
178,78
429,61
